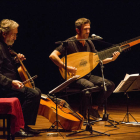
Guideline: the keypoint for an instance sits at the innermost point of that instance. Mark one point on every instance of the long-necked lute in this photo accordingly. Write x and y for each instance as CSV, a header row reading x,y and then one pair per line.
x,y
85,62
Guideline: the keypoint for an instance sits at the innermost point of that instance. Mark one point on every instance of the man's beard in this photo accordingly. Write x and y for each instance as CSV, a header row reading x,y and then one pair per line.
x,y
86,36
9,43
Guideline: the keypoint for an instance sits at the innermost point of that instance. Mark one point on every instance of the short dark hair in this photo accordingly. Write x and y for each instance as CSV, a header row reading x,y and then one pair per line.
x,y
79,22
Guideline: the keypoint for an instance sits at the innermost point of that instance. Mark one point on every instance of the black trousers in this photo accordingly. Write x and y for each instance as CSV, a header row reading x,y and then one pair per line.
x,y
29,99
97,98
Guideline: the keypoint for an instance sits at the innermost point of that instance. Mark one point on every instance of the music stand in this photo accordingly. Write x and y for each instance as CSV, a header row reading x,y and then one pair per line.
x,y
129,84
57,89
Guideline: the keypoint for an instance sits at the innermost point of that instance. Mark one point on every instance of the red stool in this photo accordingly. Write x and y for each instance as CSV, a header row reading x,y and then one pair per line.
x,y
10,110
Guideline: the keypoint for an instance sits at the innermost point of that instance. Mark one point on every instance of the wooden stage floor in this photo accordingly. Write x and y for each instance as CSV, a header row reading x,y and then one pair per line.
x,y
117,110
120,132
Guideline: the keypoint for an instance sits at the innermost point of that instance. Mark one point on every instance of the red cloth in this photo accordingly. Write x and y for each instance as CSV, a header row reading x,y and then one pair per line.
x,y
12,106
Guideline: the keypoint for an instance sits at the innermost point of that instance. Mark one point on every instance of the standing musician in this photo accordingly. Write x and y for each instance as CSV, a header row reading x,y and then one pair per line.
x,y
10,85
82,27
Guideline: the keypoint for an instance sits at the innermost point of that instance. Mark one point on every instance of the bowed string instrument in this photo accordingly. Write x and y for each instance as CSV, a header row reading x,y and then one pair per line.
x,y
24,74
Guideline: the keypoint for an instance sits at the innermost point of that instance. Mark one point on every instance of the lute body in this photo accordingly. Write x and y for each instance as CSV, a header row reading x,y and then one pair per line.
x,y
83,61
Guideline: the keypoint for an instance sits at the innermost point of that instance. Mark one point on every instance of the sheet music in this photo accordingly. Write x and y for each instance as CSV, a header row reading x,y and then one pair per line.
x,y
130,75
130,83
135,85
119,86
64,84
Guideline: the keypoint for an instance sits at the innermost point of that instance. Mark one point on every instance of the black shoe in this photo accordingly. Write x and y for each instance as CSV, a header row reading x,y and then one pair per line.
x,y
22,134
31,131
94,113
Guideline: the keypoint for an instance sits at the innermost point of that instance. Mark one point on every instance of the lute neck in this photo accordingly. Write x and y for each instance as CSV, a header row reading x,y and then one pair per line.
x,y
118,47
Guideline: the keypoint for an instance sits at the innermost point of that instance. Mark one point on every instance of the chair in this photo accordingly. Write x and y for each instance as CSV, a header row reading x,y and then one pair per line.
x,y
70,91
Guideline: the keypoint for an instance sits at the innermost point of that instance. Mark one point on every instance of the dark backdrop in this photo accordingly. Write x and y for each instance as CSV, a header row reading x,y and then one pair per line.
x,y
43,22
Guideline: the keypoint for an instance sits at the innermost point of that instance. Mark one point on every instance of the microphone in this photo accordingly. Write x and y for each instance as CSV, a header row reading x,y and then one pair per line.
x,y
96,36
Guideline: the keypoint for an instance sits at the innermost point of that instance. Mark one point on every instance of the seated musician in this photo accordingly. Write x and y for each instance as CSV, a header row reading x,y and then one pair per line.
x,y
82,27
10,84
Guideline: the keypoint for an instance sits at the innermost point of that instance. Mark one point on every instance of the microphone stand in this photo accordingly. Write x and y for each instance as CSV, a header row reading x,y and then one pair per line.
x,y
105,115
55,123
64,43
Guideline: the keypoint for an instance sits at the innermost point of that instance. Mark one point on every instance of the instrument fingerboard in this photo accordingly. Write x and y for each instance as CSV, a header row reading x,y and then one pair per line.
x,y
118,47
